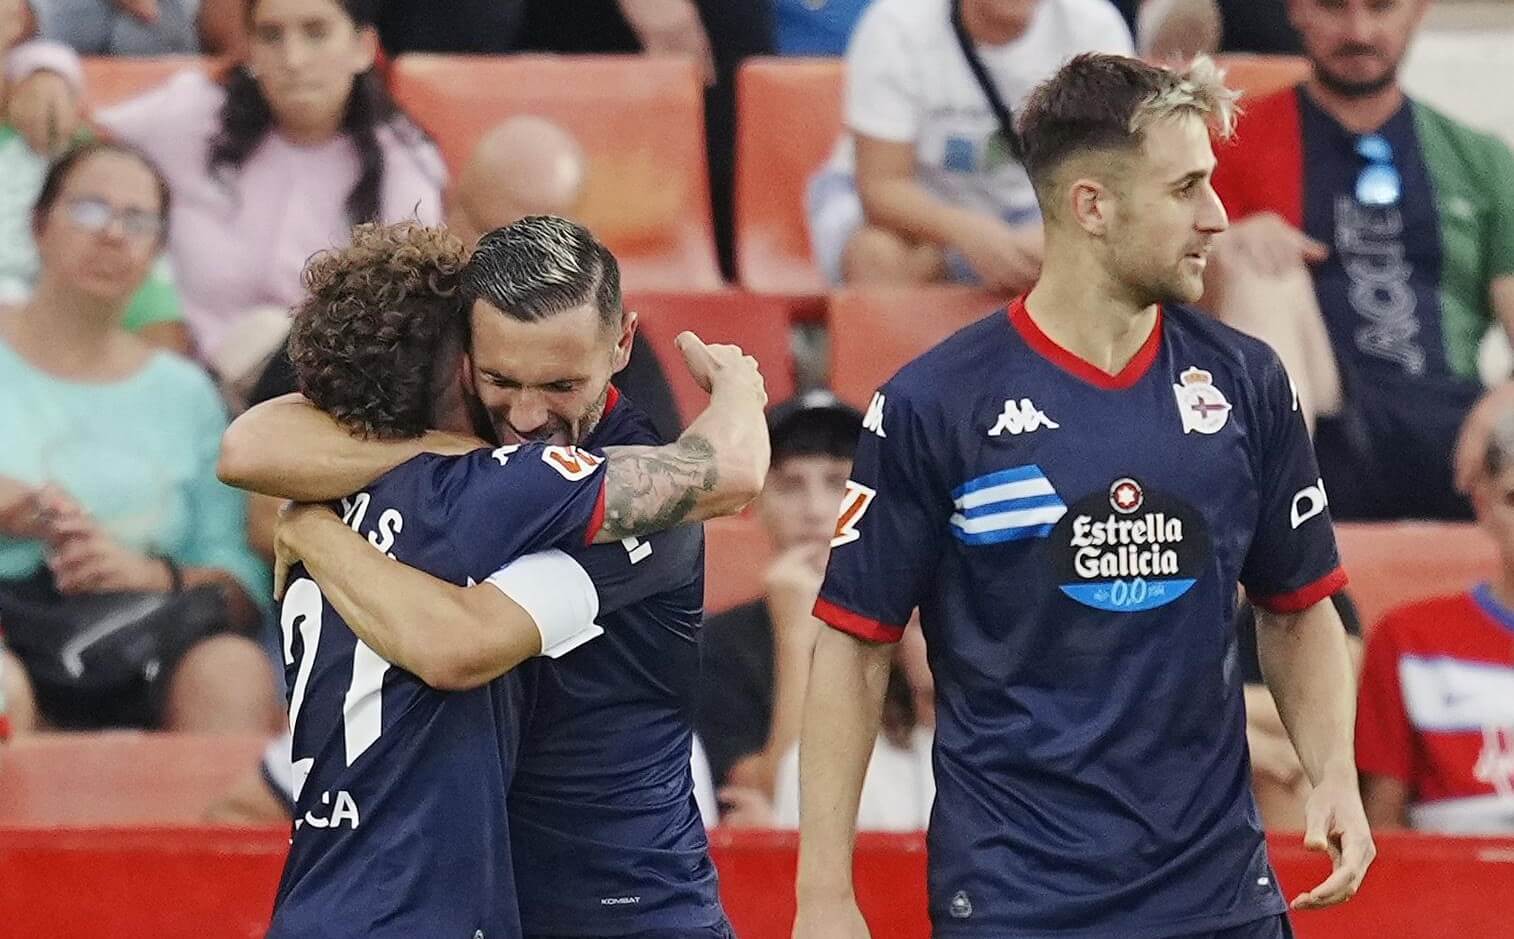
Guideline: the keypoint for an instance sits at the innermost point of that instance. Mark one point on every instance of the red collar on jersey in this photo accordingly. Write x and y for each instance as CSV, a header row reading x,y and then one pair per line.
x,y
611,399
1082,369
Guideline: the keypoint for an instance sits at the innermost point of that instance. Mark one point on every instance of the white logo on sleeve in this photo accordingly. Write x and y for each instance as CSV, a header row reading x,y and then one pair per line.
x,y
571,463
1201,406
502,455
1021,417
1309,502
873,419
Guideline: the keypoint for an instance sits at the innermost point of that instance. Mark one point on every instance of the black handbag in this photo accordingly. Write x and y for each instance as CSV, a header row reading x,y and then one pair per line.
x,y
101,643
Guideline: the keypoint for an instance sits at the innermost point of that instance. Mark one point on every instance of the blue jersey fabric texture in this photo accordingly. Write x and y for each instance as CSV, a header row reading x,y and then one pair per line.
x,y
1073,541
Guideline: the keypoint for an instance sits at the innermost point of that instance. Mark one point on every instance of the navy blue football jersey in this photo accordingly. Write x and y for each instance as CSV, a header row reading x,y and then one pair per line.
x,y
1073,541
400,825
608,838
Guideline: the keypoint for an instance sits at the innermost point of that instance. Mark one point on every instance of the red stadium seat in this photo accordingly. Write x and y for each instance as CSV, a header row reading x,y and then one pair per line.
x,y
1392,563
640,120
737,553
1260,75
759,325
875,331
112,79
790,117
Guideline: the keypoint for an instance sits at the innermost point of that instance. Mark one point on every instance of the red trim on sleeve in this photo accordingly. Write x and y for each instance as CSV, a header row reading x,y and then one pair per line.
x,y
597,520
1304,597
839,617
1048,349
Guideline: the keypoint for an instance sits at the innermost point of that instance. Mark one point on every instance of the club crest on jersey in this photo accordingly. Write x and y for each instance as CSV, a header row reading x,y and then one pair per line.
x,y
1128,548
1201,406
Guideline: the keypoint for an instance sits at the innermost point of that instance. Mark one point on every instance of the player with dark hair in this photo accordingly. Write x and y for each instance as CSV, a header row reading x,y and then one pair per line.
x,y
606,835
1070,491
400,777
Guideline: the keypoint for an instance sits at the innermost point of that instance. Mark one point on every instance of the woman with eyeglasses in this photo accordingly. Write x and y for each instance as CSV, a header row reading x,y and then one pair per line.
x,y
278,159
107,482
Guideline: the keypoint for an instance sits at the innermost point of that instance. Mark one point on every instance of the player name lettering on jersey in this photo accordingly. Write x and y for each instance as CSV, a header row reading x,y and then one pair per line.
x,y
337,811
385,531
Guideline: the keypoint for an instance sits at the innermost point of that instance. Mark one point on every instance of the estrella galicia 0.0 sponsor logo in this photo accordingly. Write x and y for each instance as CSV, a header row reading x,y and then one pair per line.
x,y
1128,548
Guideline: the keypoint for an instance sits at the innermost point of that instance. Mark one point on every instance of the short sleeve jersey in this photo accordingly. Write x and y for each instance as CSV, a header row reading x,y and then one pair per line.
x,y
1073,541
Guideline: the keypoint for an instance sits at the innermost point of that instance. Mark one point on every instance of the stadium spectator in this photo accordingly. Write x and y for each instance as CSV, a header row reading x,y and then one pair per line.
x,y
278,160
1277,776
924,185
109,485
42,117
112,27
1373,246
1435,724
1186,27
813,436
815,27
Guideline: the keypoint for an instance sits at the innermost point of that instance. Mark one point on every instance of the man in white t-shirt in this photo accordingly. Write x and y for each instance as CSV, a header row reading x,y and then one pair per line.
x,y
923,186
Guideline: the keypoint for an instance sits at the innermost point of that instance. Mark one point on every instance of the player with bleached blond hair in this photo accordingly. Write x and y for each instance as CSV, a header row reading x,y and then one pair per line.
x,y
1070,491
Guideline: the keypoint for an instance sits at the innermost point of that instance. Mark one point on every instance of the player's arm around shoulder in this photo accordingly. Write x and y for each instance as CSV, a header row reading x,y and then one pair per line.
x,y
290,449
450,637
715,468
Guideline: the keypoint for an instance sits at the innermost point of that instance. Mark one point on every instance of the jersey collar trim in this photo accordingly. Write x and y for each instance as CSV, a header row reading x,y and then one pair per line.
x,y
1044,346
1482,595
612,398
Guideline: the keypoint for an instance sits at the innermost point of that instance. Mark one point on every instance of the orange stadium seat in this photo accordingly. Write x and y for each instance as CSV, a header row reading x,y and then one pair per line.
x,y
640,120
790,117
1392,563
1261,75
736,556
875,331
759,325
112,79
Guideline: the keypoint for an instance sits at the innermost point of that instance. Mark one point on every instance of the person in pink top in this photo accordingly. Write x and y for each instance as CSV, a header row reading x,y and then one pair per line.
x,y
278,159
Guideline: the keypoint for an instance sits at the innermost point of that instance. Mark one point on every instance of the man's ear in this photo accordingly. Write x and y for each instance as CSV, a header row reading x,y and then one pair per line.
x,y
628,324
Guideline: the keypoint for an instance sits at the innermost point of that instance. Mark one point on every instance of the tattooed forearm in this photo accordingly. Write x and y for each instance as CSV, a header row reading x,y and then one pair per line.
x,y
650,489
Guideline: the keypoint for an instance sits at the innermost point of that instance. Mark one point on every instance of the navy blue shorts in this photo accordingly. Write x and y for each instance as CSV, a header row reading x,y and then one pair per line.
x,y
1273,927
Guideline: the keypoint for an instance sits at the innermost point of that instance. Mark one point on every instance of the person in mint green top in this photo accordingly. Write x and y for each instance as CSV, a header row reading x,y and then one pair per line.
x,y
107,472
41,117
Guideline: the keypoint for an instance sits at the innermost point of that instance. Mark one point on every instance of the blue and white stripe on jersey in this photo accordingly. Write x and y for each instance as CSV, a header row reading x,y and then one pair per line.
x,y
1009,505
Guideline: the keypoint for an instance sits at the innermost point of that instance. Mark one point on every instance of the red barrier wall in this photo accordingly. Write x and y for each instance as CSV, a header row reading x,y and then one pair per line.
x,y
178,883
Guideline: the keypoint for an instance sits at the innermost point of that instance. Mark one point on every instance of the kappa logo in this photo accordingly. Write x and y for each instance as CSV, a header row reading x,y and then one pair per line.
x,y
873,419
571,463
502,454
1309,502
1021,417
1201,406
854,505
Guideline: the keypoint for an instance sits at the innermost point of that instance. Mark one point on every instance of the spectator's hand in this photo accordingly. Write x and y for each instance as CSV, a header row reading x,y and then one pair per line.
x,y
96,563
1336,823
42,513
831,918
1004,257
46,113
295,518
1476,428
1268,246
144,10
793,582
725,366
671,27
745,807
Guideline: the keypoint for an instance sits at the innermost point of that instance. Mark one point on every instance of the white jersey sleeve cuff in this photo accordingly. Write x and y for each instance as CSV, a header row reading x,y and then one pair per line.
x,y
558,595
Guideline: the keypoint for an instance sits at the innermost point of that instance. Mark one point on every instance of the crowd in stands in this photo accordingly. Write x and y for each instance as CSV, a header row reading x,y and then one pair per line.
x,y
150,252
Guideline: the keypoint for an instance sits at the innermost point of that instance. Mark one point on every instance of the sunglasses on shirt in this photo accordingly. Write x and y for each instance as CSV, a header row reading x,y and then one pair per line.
x,y
1379,183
